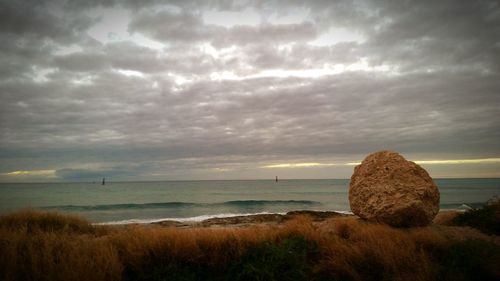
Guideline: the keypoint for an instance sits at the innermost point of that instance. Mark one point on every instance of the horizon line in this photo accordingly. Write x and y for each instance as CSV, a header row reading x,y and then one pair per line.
x,y
186,180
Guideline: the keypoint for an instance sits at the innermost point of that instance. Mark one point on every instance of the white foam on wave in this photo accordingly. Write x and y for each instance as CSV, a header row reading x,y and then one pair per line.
x,y
189,219
345,212
200,218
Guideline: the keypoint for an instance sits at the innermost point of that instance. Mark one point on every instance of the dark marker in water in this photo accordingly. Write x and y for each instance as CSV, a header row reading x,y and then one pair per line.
x,y
276,178
103,181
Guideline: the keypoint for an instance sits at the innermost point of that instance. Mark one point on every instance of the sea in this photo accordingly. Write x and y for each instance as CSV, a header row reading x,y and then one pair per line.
x,y
146,202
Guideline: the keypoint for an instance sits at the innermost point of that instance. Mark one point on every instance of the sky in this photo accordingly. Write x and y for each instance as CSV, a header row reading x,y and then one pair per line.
x,y
189,90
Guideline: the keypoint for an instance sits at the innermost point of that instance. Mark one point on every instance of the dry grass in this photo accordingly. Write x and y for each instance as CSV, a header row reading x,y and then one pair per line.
x,y
31,221
51,246
445,217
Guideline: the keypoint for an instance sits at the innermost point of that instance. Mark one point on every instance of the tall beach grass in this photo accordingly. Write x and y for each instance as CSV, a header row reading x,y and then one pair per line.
x,y
51,246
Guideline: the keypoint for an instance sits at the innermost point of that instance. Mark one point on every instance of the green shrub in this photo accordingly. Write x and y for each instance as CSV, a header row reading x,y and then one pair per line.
x,y
289,259
470,260
486,219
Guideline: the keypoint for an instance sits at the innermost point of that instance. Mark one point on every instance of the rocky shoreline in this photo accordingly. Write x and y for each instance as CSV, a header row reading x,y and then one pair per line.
x,y
241,221
444,217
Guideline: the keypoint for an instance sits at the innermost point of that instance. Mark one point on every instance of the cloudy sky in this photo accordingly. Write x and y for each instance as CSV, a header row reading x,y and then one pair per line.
x,y
169,90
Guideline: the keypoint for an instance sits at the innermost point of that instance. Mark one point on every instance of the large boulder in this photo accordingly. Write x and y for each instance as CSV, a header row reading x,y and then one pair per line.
x,y
389,189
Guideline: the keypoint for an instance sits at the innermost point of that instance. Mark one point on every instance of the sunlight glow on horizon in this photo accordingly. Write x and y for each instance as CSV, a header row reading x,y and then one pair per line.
x,y
51,174
460,161
423,162
44,173
300,165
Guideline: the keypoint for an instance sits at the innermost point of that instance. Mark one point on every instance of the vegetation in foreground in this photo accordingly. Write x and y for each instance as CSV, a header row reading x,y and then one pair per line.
x,y
51,246
486,219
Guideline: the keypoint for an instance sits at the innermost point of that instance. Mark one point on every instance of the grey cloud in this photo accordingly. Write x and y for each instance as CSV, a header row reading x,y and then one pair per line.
x,y
297,56
438,102
82,61
109,173
430,35
268,33
19,56
130,56
170,26
31,31
340,113
438,34
73,174
185,27
40,19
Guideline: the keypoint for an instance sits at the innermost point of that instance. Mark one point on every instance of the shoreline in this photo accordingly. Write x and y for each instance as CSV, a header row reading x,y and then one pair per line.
x,y
202,218
230,219
254,219
263,218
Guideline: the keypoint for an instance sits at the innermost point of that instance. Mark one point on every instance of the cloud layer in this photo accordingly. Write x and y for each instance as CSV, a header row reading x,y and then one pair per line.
x,y
167,90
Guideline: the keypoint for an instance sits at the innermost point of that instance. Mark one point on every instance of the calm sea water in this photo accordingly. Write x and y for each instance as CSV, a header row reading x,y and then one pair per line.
x,y
196,200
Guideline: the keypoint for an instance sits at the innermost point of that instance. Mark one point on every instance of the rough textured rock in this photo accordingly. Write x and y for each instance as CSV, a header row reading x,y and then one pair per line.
x,y
389,189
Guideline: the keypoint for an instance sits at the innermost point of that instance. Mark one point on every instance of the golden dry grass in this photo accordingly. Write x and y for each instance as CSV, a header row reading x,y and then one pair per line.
x,y
445,217
51,246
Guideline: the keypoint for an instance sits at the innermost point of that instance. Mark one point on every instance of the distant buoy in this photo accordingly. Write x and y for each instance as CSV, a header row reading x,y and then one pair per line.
x,y
276,178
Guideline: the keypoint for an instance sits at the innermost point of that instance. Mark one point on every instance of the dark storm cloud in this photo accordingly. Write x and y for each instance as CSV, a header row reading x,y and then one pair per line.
x,y
424,80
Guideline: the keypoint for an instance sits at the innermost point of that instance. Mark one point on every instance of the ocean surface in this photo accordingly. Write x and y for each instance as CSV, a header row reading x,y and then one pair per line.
x,y
127,202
